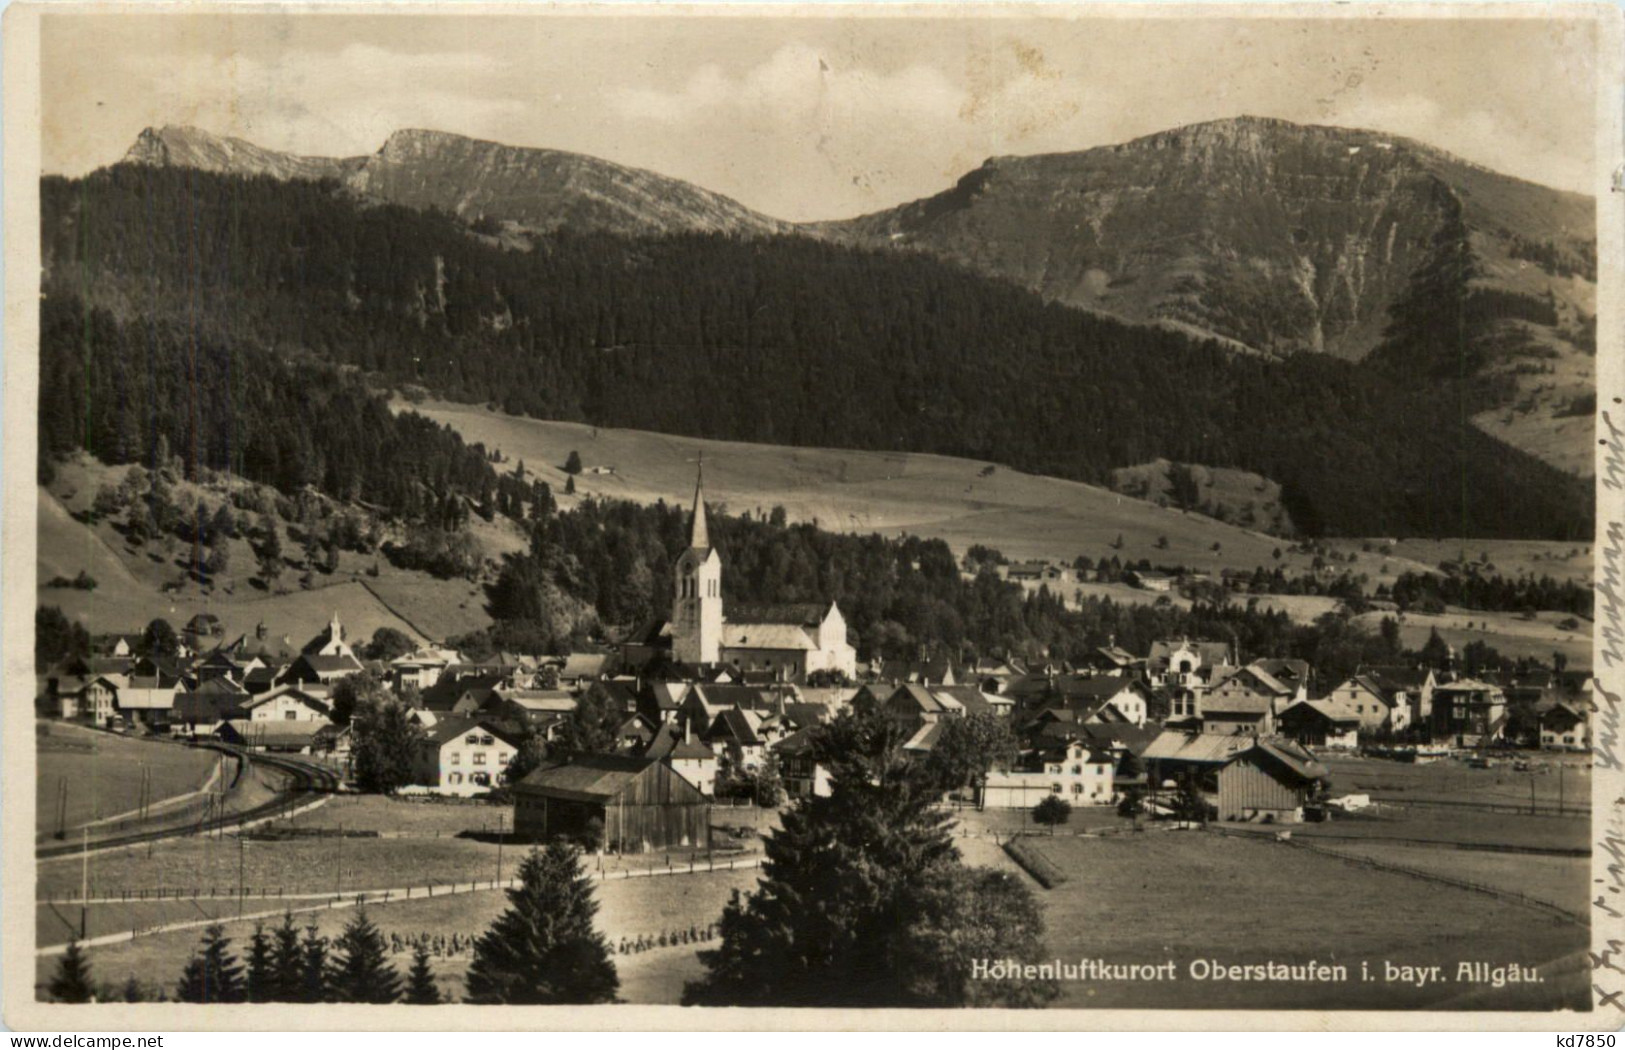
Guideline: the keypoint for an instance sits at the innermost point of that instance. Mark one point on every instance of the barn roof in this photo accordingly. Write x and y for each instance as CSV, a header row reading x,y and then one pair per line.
x,y
1217,748
588,778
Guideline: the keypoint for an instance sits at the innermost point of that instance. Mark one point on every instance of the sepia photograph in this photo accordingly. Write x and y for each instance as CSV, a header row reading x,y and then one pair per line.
x,y
1080,516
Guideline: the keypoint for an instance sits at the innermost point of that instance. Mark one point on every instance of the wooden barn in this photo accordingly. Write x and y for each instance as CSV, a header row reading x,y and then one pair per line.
x,y
1273,779
640,803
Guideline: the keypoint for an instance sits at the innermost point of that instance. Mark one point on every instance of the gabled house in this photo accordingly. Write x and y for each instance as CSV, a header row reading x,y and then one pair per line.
x,y
422,668
149,699
1185,662
92,699
1074,771
210,703
1092,697
1566,727
736,738
287,704
1416,684
316,673
464,756
1378,707
801,773
1468,713
1321,723
690,758
461,697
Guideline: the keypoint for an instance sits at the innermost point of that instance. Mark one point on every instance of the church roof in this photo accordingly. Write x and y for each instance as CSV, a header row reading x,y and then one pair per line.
x,y
765,636
699,536
803,614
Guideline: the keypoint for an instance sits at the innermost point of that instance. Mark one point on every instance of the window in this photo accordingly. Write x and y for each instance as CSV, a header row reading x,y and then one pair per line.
x,y
471,740
479,758
456,758
1055,789
1077,770
1077,789
487,740
455,778
290,716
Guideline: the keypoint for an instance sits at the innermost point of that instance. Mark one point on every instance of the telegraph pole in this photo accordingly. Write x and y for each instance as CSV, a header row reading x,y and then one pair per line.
x,y
501,818
240,847
84,880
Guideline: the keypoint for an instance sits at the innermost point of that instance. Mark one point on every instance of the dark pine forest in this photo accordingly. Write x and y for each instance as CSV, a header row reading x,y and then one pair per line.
x,y
232,314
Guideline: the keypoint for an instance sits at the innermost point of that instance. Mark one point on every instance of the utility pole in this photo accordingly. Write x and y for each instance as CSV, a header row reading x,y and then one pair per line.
x,y
240,848
501,819
84,881
338,875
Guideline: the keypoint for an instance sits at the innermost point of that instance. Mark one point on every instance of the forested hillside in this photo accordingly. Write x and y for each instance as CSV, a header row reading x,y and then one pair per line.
x,y
783,340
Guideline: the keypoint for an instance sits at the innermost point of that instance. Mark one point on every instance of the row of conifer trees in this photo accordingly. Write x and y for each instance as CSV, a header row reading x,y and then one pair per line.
x,y
542,949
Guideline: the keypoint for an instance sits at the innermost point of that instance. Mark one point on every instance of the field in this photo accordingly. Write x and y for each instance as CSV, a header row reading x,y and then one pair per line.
x,y
1563,881
104,772
1554,778
1024,515
628,909
1184,896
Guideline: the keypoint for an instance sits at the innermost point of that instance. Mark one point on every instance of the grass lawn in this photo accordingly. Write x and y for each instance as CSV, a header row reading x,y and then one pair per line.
x,y
1184,896
627,908
103,772
1552,777
1563,881
1447,826
379,813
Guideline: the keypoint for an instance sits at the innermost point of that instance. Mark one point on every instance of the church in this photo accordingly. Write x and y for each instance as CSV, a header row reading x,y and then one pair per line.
x,y
788,642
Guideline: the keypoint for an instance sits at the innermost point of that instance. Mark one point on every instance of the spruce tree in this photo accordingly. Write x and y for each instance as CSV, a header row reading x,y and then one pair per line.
x,y
72,981
360,971
287,962
421,989
313,975
544,948
212,975
259,981
863,900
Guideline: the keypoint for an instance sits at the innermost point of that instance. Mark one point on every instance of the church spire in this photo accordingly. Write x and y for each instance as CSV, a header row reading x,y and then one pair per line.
x,y
699,536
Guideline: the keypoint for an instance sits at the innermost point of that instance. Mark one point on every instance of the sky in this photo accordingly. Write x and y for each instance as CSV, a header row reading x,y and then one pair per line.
x,y
817,116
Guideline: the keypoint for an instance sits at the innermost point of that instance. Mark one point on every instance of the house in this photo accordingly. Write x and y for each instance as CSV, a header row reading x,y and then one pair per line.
x,y
317,672
630,804
1097,698
148,698
581,668
422,669
789,642
1565,727
1379,707
690,758
461,696
1033,571
803,775
737,738
287,704
1321,723
1147,580
1239,703
210,703
1185,662
534,707
1076,772
1272,780
1415,683
1112,659
464,756
1468,713
225,662
92,699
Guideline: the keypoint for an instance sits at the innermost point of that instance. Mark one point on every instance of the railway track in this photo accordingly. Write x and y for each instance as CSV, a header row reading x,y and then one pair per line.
x,y
306,781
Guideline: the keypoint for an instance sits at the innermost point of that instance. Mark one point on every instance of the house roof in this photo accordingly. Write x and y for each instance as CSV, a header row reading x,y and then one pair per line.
x,y
655,633
329,664
1335,711
797,743
446,730
584,665
1401,677
1210,652
320,706
926,737
739,726
1176,746
277,734
1283,753
540,700
748,697
428,656
588,778
444,694
1231,702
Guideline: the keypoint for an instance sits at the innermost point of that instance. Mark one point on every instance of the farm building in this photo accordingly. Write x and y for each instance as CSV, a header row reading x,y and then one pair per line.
x,y
1321,723
1272,780
640,804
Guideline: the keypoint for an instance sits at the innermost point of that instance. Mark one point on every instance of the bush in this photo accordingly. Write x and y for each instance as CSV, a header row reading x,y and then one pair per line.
x,y
1052,810
1034,863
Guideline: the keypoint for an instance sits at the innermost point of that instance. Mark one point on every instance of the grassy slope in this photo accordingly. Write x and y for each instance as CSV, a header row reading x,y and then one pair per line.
x,y
130,580
103,773
1230,899
1023,515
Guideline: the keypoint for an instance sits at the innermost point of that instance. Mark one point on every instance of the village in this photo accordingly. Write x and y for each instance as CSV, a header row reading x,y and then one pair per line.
x,y
676,750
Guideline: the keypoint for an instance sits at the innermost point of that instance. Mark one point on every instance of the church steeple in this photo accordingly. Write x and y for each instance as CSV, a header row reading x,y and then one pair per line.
x,y
699,536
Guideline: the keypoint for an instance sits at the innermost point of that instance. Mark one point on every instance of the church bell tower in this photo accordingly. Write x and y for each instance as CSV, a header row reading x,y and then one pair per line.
x,y
696,606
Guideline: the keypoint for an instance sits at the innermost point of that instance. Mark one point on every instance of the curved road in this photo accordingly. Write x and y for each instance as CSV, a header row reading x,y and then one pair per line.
x,y
307,780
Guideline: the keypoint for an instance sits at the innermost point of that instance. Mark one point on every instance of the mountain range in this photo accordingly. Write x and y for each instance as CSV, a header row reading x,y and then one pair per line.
x,y
1272,237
